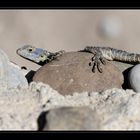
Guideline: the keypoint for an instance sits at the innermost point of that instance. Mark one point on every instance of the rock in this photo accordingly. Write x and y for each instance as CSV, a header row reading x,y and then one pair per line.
x,y
114,109
119,110
125,68
122,66
134,78
110,110
10,75
19,109
110,27
71,118
71,73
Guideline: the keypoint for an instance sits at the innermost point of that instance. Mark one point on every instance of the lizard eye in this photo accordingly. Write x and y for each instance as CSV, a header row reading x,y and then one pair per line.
x,y
30,49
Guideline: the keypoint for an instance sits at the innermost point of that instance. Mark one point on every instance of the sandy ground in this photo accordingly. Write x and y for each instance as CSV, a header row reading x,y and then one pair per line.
x,y
71,30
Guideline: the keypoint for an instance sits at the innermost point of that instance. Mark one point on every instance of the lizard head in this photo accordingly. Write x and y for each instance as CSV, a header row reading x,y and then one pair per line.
x,y
34,54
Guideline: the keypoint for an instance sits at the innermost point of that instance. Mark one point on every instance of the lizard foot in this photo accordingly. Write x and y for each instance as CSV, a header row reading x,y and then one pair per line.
x,y
96,61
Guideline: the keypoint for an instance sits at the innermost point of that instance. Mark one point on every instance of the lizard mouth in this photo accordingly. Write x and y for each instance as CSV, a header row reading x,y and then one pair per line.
x,y
18,51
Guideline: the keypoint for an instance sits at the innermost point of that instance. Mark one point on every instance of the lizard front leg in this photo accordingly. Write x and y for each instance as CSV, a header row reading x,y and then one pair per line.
x,y
59,53
97,59
55,55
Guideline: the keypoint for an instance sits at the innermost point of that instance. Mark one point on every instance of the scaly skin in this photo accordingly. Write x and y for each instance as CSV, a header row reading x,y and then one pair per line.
x,y
100,55
38,55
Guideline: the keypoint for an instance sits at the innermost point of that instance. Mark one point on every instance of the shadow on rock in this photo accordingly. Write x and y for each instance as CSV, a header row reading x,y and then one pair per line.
x,y
41,121
29,76
126,84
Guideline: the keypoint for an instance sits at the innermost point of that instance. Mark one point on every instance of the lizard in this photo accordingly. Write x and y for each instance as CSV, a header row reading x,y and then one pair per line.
x,y
38,55
100,55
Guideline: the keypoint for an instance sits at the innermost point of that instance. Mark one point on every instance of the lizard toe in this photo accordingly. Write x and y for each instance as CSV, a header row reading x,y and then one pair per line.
x,y
103,60
96,63
94,67
99,67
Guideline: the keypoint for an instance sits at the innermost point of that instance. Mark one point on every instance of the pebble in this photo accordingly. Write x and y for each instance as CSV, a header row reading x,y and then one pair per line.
x,y
110,27
134,78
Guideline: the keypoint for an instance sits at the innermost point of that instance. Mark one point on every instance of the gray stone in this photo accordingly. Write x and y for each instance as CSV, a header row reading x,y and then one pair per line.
x,y
110,27
72,118
71,73
10,75
134,78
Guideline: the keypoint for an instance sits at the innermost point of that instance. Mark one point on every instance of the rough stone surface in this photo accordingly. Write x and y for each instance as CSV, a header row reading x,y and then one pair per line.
x,y
134,78
71,73
122,66
10,75
114,109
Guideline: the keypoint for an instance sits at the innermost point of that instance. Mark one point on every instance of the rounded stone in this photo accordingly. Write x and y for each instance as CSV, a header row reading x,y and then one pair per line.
x,y
71,73
72,118
134,78
111,27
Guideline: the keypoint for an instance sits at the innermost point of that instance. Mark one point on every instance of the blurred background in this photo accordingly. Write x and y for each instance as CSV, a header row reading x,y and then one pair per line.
x,y
70,30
